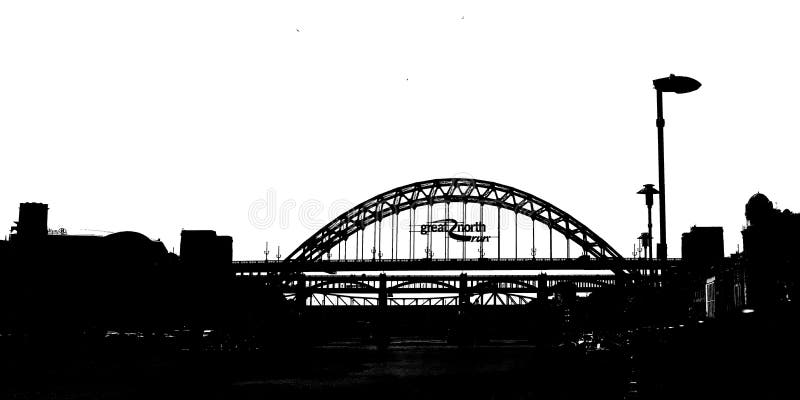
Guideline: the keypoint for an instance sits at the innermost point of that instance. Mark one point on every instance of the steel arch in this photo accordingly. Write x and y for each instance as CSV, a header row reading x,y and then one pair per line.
x,y
450,190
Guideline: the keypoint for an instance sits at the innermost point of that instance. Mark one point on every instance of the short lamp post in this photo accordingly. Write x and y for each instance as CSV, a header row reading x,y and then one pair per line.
x,y
648,191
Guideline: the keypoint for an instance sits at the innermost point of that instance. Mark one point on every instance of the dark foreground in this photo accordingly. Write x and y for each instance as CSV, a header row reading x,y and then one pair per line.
x,y
426,372
712,360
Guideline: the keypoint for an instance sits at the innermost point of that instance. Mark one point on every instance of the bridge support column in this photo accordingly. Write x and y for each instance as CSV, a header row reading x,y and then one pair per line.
x,y
620,281
463,293
383,294
381,329
541,289
301,294
464,333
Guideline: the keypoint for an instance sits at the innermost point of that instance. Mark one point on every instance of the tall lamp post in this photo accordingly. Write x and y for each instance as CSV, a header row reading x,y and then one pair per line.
x,y
674,84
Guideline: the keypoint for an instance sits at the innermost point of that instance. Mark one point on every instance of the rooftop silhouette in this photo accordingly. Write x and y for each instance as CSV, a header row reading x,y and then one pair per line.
x,y
122,290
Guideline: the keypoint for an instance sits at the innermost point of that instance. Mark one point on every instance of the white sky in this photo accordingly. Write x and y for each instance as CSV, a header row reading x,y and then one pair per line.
x,y
159,115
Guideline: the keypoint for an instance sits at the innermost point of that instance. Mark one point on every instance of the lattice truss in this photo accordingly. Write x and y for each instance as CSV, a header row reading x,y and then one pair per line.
x,y
454,190
416,290
490,299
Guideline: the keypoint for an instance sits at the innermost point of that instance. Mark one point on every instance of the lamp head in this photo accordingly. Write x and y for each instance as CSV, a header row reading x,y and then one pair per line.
x,y
648,191
676,84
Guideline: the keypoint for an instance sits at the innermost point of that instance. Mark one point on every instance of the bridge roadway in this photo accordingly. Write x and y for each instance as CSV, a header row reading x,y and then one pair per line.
x,y
530,283
317,289
644,266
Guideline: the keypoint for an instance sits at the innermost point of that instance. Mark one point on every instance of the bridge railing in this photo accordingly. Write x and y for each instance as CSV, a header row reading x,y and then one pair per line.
x,y
474,259
486,299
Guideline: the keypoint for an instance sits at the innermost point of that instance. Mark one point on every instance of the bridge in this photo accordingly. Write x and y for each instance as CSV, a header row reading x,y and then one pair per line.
x,y
460,235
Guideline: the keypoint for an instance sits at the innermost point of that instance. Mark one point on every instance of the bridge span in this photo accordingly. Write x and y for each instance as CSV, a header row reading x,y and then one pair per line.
x,y
451,242
524,281
639,266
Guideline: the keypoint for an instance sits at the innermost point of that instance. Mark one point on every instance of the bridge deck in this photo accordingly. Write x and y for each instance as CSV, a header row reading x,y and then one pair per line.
x,y
473,264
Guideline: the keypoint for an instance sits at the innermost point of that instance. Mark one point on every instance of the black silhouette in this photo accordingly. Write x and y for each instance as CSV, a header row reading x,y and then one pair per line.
x,y
347,314
123,296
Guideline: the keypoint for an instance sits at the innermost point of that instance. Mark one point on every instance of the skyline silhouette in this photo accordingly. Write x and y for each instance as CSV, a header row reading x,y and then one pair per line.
x,y
266,107
422,200
123,294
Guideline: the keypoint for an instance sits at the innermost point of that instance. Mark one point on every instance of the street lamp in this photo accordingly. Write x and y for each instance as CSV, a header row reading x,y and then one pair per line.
x,y
674,84
648,191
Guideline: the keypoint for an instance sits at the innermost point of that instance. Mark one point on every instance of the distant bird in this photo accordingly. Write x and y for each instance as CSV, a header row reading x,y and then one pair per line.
x,y
297,29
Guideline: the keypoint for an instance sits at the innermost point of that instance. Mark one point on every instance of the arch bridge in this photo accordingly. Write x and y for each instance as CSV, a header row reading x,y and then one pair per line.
x,y
446,192
460,229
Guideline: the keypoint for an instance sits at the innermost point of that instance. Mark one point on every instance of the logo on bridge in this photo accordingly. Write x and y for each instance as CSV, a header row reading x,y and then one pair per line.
x,y
452,226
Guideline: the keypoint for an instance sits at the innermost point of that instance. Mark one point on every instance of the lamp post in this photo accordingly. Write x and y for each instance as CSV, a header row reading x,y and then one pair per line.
x,y
643,244
648,191
674,84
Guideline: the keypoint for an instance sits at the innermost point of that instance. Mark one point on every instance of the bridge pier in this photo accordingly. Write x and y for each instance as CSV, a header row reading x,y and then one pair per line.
x,y
383,294
463,292
464,329
620,281
301,294
541,288
381,329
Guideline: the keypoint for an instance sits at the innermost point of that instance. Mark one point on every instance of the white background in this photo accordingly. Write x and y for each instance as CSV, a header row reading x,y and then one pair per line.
x,y
155,116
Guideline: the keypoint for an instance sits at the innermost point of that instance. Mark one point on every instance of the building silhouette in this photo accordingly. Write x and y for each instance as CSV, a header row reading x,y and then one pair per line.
x,y
770,257
60,284
55,286
702,248
762,278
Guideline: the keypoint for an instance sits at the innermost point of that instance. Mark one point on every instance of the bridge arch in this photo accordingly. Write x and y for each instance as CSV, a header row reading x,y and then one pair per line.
x,y
437,283
338,285
450,190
